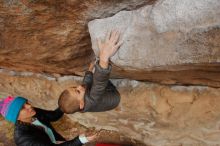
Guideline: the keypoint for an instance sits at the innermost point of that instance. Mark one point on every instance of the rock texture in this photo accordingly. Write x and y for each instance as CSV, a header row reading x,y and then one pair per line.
x,y
52,36
170,37
154,114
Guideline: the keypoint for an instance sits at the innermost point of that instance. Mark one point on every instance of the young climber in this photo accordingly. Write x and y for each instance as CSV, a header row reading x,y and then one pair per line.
x,y
32,125
96,93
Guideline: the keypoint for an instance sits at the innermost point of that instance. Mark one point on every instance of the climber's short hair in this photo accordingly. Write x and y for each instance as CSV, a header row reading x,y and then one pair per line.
x,y
67,103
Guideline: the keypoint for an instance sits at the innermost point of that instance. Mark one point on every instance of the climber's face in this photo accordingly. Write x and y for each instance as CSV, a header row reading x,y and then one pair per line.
x,y
78,93
26,113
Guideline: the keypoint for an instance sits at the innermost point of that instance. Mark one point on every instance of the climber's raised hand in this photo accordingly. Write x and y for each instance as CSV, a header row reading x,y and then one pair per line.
x,y
108,48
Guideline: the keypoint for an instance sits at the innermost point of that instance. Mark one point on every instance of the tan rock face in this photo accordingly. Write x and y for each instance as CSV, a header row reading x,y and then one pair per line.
x,y
154,114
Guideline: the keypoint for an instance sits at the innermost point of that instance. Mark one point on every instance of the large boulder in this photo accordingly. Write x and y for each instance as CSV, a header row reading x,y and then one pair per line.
x,y
52,36
172,41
